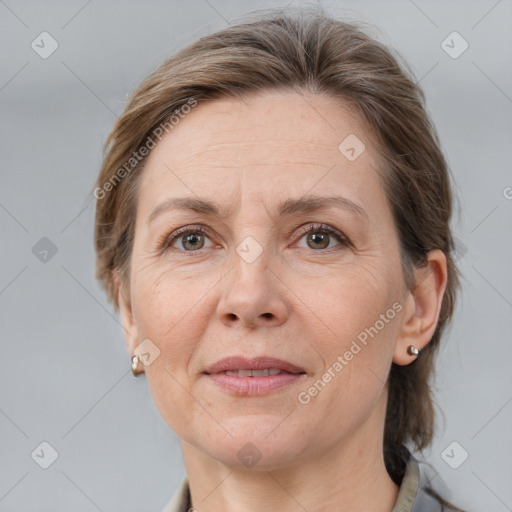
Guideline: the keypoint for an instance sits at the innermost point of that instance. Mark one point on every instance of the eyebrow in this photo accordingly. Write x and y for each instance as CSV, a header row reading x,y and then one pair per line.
x,y
306,204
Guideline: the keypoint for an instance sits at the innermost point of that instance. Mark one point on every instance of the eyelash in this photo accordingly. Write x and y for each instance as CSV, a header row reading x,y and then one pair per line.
x,y
326,230
166,240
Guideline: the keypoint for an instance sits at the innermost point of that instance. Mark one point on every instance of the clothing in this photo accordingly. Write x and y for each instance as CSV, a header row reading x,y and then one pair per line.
x,y
412,496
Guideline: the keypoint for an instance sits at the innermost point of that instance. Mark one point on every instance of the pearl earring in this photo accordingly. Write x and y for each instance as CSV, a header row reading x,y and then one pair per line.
x,y
135,366
413,351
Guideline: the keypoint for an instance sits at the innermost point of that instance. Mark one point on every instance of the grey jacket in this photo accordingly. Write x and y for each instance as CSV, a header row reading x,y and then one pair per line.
x,y
412,496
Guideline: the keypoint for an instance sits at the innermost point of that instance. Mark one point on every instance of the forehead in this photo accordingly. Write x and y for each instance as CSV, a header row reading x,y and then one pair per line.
x,y
267,144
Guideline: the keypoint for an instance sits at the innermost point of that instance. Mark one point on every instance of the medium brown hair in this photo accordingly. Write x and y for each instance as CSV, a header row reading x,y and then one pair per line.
x,y
305,51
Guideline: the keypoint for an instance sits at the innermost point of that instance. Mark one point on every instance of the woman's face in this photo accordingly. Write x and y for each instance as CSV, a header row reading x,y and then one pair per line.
x,y
256,284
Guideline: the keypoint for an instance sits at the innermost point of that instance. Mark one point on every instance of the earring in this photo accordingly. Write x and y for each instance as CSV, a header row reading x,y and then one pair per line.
x,y
135,366
413,351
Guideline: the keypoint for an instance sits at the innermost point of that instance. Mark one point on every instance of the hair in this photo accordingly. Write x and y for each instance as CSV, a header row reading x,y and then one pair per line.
x,y
303,51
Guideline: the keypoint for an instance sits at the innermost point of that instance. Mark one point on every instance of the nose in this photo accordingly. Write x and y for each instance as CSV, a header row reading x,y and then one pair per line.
x,y
253,296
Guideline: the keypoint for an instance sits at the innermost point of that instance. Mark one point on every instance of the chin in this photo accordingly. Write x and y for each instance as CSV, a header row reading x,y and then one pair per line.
x,y
252,448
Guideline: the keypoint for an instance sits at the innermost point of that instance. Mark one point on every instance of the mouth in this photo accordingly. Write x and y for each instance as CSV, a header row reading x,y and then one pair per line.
x,y
258,376
255,373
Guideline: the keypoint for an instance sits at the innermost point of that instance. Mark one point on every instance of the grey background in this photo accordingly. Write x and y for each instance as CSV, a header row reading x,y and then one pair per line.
x,y
65,376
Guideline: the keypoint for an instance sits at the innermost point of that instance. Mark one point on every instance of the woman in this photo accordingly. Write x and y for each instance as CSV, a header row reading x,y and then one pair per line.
x,y
273,225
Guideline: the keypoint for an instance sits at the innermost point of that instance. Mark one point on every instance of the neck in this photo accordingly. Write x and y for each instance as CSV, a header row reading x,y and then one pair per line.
x,y
349,476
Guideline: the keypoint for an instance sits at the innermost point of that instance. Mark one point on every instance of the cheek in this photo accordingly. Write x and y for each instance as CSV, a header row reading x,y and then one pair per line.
x,y
170,323
163,300
168,389
355,300
359,315
360,329
169,310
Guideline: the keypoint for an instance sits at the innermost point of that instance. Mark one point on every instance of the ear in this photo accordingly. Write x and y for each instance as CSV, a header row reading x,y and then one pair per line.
x,y
130,330
422,307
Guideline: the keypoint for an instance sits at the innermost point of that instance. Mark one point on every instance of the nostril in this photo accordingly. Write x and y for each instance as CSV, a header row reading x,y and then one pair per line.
x,y
267,315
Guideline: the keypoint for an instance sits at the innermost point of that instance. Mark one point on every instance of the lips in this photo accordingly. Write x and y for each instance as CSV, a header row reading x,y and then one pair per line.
x,y
253,373
259,376
257,367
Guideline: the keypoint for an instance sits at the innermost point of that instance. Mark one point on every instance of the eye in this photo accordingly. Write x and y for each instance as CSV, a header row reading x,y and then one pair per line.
x,y
191,239
320,236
